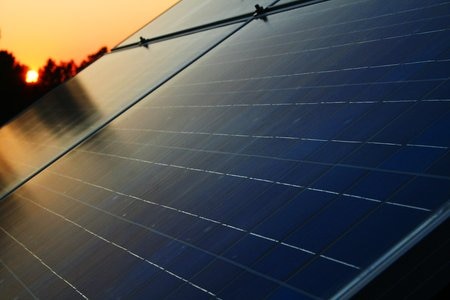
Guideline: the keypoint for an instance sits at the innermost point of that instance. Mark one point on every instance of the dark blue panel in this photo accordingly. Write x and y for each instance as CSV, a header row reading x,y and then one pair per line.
x,y
375,235
332,152
227,236
304,174
248,249
338,179
190,262
322,277
284,293
370,155
441,166
216,275
248,286
412,122
133,280
412,159
158,287
188,291
428,193
270,264
327,226
297,211
301,149
255,210
378,185
373,121
436,134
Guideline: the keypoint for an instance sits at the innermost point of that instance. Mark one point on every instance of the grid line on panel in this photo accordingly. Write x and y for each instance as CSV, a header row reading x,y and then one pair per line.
x,y
287,104
308,139
327,72
22,284
281,283
303,51
425,175
321,37
256,179
106,241
224,224
43,263
372,83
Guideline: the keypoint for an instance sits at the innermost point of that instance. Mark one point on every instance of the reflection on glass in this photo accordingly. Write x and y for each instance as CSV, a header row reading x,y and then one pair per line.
x,y
72,111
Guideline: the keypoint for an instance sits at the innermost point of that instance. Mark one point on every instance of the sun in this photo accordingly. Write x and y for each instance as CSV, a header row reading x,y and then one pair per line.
x,y
32,76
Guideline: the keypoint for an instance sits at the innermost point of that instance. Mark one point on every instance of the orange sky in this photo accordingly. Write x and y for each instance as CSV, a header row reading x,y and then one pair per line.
x,y
35,30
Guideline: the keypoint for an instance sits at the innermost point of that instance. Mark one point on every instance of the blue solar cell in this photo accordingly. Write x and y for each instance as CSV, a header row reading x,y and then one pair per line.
x,y
338,179
270,263
429,193
248,250
287,294
378,185
322,277
412,159
246,286
159,286
333,152
190,262
209,241
216,275
292,214
441,166
326,227
376,235
254,210
304,174
436,134
375,119
412,122
370,155
188,291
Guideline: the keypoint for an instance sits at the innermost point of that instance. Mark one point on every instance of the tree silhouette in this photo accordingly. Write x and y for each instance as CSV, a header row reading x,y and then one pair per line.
x,y
91,58
52,74
17,95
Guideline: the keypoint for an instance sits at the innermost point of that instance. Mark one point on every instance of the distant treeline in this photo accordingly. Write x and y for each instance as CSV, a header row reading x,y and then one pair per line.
x,y
16,94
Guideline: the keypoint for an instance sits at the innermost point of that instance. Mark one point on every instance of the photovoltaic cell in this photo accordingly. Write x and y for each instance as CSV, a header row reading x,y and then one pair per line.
x,y
288,161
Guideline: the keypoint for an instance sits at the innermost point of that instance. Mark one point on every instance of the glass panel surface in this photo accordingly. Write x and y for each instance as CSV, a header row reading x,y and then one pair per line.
x,y
75,109
282,163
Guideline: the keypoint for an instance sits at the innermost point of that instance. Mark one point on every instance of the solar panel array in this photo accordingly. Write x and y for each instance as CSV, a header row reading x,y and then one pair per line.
x,y
292,159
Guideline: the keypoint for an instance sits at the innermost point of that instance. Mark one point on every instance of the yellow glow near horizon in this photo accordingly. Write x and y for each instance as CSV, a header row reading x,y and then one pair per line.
x,y
34,31
32,76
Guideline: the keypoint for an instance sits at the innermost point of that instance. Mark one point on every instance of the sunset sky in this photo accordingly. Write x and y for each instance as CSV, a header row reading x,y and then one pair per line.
x,y
63,30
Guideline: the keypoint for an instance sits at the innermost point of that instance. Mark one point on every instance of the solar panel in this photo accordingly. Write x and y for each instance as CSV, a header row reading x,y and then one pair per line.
x,y
297,159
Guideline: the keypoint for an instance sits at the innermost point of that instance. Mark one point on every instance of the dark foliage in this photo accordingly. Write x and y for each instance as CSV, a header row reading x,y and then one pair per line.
x,y
18,95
